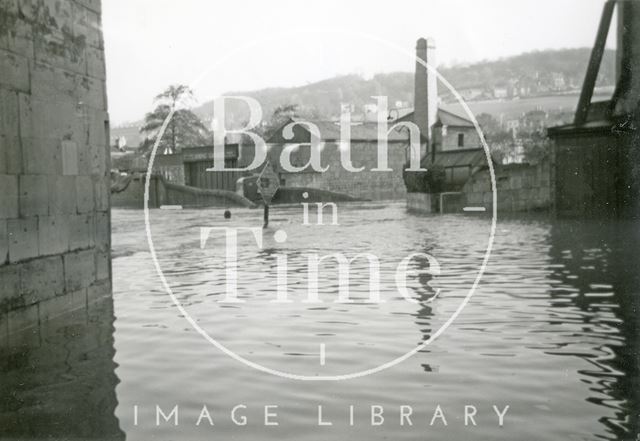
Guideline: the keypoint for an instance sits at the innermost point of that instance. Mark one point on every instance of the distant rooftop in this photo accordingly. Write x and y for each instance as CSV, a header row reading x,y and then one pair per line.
x,y
330,131
443,118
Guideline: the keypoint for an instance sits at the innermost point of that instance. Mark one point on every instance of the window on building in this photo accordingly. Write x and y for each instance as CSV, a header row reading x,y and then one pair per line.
x,y
460,139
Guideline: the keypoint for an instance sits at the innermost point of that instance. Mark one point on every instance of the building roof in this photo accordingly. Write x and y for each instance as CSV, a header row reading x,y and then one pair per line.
x,y
330,132
461,158
443,118
447,118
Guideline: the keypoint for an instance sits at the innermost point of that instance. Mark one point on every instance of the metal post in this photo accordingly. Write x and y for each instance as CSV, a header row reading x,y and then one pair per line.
x,y
594,64
266,216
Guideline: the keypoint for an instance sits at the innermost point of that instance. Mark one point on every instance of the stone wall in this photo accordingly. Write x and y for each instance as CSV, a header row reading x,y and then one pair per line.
x,y
54,160
367,184
520,187
446,139
421,202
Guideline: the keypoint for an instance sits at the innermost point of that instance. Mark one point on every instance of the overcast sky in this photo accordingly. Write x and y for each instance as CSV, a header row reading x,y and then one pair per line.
x,y
251,44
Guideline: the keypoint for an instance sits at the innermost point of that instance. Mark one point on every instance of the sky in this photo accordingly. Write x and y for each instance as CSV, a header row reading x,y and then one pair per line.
x,y
222,46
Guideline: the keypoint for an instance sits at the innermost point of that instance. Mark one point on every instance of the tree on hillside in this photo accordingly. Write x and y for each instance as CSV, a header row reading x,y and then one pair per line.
x,y
279,116
185,129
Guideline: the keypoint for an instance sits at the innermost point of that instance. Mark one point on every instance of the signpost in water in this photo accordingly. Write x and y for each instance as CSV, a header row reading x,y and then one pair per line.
x,y
268,185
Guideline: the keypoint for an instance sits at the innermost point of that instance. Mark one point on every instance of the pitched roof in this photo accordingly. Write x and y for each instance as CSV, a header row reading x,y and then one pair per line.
x,y
444,117
447,118
330,131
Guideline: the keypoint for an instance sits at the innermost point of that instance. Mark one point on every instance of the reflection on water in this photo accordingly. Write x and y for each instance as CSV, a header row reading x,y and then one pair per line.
x,y
552,332
57,380
599,266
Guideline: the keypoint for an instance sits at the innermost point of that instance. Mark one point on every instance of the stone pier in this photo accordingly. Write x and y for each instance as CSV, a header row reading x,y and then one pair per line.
x,y
54,161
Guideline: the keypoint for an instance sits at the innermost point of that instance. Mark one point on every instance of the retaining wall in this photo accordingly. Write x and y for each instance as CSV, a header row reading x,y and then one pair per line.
x,y
520,187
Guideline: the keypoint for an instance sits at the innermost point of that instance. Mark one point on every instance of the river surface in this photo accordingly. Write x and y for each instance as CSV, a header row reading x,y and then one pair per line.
x,y
551,330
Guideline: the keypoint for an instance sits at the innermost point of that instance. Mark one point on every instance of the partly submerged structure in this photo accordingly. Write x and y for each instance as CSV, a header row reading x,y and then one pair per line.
x,y
597,171
449,140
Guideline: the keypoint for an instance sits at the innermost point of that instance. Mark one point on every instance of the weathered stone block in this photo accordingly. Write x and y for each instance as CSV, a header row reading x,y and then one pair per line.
x,y
4,242
11,10
98,291
64,52
84,194
22,319
69,158
59,119
94,93
15,71
101,163
102,189
8,196
41,279
62,195
23,238
61,305
53,235
95,63
79,270
10,155
98,128
3,154
27,9
25,113
103,231
103,265
41,156
34,195
55,42
60,12
86,23
51,83
18,35
10,288
9,113
85,160
80,231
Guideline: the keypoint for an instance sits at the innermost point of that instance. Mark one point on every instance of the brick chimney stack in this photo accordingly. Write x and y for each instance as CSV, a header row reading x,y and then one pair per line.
x,y
426,89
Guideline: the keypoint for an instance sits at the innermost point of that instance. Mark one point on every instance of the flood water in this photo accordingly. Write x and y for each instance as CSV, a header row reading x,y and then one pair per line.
x,y
551,331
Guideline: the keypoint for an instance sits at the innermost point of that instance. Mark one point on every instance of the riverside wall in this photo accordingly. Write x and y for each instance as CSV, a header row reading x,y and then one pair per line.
x,y
54,161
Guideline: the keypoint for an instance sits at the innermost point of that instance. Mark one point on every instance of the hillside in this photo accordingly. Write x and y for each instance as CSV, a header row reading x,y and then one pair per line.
x,y
534,74
530,78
